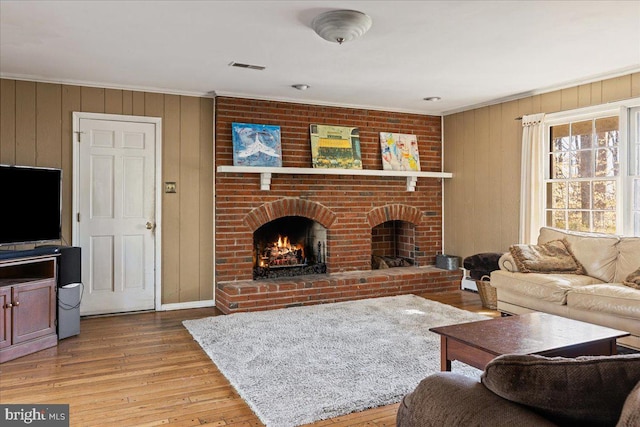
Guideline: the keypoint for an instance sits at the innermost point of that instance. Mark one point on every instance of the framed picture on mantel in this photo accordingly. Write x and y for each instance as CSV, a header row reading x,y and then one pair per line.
x,y
399,152
335,147
256,145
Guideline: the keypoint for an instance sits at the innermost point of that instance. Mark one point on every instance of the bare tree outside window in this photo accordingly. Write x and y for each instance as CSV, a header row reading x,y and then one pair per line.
x,y
584,169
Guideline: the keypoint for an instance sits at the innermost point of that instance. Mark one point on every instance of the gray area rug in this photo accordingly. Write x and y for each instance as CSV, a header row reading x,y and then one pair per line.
x,y
298,365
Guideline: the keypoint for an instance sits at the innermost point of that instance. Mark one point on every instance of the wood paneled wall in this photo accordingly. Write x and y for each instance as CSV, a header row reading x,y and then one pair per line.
x,y
482,149
35,130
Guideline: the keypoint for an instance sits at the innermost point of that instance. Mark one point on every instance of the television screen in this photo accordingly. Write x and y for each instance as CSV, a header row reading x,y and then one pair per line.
x,y
31,200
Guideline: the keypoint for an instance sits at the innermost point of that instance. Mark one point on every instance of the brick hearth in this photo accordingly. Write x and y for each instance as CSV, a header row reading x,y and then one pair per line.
x,y
349,207
253,295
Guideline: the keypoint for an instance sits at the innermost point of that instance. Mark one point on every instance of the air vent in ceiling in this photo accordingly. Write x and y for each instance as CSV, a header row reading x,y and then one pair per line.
x,y
251,67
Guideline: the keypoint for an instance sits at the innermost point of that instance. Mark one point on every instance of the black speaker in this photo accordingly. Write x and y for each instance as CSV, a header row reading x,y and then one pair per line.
x,y
69,262
69,265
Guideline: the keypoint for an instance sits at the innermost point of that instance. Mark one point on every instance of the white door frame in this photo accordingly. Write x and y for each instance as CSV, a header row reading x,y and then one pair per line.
x,y
157,121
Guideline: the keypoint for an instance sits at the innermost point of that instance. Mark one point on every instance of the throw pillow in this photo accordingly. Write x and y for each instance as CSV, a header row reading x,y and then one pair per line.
x,y
586,390
633,280
551,257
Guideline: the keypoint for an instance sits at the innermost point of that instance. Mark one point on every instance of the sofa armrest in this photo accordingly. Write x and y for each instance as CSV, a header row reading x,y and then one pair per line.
x,y
449,399
631,411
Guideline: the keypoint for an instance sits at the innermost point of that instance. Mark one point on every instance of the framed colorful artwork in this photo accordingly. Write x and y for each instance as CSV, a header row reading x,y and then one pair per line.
x,y
335,147
256,145
399,152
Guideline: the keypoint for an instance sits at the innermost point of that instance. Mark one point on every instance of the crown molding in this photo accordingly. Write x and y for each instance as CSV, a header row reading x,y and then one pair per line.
x,y
438,113
565,85
39,79
210,94
326,104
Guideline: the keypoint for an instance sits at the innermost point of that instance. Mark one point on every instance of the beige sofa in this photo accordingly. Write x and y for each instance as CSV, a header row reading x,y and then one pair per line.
x,y
599,296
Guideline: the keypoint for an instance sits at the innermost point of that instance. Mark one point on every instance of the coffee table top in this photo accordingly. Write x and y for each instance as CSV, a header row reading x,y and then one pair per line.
x,y
530,333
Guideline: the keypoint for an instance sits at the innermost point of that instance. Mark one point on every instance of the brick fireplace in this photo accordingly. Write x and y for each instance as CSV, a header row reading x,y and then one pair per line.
x,y
361,215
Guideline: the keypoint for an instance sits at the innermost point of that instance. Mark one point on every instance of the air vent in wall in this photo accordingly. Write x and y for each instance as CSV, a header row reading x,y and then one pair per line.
x,y
252,67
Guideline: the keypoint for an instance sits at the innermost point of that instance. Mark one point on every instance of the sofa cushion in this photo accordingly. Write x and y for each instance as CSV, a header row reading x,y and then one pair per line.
x,y
633,279
550,257
597,252
628,258
548,287
590,390
612,298
631,411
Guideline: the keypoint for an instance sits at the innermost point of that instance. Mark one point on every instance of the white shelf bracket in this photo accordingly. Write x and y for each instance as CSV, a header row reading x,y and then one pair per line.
x,y
411,183
265,181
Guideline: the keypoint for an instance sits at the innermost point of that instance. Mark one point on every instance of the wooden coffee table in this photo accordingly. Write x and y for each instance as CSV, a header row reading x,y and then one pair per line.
x,y
477,343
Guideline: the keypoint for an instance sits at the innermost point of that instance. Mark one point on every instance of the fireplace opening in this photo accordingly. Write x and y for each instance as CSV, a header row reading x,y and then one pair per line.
x,y
393,245
289,246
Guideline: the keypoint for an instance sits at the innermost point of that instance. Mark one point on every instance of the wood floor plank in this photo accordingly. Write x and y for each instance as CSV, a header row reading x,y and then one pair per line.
x,y
145,370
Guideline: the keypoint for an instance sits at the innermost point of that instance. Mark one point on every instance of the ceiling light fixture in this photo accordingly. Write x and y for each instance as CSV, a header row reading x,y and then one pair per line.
x,y
301,86
432,98
341,26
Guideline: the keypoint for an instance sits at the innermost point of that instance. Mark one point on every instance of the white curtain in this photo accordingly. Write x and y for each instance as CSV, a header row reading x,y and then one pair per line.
x,y
532,175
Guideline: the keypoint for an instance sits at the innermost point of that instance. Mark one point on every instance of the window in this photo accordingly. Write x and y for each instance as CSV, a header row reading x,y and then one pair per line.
x,y
592,177
582,188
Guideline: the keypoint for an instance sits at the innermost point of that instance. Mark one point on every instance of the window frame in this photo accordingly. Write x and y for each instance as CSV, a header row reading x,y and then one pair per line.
x,y
633,145
627,154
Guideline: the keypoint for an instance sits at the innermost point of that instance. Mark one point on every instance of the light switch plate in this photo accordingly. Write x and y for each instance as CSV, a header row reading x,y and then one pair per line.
x,y
169,187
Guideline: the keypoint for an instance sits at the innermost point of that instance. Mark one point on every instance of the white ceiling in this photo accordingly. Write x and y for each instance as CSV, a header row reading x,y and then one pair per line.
x,y
469,53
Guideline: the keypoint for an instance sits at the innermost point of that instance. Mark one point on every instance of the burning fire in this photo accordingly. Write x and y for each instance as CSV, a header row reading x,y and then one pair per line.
x,y
282,252
283,243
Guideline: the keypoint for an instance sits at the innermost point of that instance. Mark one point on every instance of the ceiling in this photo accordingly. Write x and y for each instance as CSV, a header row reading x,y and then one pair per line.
x,y
470,53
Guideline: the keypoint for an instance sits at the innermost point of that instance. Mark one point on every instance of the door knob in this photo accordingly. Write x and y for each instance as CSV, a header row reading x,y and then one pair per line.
x,y
149,225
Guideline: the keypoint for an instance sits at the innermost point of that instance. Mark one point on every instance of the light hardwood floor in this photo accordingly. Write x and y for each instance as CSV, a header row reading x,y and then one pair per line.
x,y
145,370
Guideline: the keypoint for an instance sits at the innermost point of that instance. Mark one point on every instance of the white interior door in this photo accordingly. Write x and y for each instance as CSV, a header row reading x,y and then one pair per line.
x,y
116,207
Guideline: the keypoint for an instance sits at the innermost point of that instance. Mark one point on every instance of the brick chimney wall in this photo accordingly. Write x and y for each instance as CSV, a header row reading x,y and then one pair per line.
x,y
354,203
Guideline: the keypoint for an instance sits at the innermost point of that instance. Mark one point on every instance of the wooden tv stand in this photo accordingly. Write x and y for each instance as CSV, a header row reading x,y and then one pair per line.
x,y
28,301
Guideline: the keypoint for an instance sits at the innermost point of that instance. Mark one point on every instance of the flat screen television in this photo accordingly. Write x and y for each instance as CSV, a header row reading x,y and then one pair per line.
x,y
31,200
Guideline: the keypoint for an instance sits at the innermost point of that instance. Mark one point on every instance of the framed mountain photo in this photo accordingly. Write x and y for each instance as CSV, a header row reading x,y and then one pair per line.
x,y
256,145
399,152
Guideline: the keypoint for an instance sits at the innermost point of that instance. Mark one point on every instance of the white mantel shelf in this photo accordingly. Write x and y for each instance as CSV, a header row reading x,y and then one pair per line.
x,y
266,172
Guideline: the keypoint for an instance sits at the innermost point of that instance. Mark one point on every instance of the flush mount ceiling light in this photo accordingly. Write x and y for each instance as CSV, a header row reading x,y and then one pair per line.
x,y
432,98
341,26
301,86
